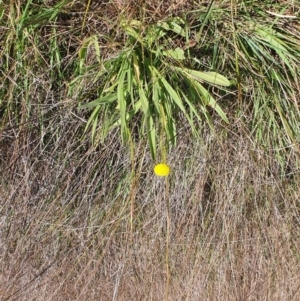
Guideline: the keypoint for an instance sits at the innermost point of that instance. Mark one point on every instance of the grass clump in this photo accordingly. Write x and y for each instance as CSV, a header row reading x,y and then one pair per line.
x,y
211,89
148,79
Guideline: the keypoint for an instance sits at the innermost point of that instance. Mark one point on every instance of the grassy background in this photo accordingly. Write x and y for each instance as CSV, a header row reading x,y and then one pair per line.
x,y
89,221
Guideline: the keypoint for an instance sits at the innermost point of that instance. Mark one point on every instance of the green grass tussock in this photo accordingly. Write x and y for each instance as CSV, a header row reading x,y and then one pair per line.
x,y
94,94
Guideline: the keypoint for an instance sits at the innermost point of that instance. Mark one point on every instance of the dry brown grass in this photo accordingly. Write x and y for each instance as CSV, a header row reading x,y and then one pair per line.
x,y
66,233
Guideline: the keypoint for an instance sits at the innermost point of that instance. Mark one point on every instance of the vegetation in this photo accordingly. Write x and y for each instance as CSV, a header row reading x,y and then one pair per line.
x,y
97,99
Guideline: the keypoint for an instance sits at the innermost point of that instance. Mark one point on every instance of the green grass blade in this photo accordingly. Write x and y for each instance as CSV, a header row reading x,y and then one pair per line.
x,y
102,100
122,100
151,135
210,77
209,100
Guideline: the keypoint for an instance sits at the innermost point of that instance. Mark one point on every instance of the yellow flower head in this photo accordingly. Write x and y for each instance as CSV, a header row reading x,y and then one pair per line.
x,y
162,170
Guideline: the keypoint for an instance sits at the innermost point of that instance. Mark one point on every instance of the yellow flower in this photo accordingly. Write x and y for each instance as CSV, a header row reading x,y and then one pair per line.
x,y
162,170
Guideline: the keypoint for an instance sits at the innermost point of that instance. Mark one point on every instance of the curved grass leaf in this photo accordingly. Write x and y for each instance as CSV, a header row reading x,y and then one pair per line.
x,y
93,120
102,100
209,100
210,77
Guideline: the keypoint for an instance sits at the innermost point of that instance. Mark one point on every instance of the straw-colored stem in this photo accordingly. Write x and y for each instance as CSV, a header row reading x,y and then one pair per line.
x,y
168,241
